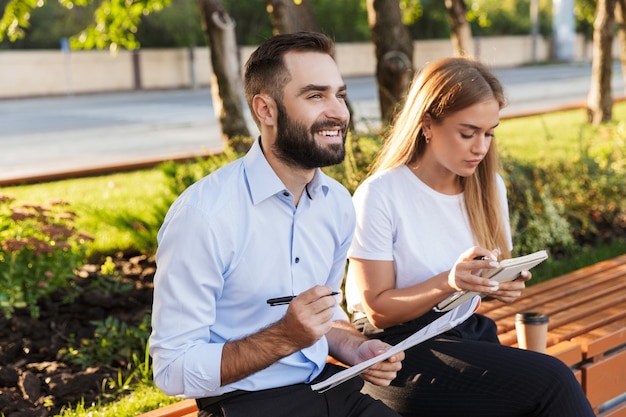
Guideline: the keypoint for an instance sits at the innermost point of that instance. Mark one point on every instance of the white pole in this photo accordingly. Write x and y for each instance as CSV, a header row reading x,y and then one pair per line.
x,y
563,29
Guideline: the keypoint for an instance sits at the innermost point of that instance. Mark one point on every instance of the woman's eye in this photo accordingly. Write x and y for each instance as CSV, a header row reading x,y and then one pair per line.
x,y
466,136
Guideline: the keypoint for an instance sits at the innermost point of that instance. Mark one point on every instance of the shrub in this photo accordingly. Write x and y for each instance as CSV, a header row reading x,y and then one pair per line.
x,y
113,344
39,253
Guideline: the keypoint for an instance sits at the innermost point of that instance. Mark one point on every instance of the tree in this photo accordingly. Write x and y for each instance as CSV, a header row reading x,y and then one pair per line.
x,y
461,34
288,16
394,54
600,100
226,85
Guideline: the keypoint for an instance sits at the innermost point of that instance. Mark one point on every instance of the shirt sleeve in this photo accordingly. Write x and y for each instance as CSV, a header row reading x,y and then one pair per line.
x,y
187,284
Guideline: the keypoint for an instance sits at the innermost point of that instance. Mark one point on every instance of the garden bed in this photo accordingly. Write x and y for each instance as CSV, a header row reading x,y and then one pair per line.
x,y
38,376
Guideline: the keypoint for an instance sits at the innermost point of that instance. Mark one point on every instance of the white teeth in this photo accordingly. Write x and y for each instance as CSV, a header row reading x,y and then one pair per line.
x,y
329,132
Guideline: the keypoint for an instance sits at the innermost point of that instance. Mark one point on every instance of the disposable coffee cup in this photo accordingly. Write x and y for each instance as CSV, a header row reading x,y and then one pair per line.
x,y
532,331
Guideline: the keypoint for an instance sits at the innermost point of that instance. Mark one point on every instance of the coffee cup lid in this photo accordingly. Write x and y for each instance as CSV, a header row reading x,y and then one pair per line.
x,y
531,317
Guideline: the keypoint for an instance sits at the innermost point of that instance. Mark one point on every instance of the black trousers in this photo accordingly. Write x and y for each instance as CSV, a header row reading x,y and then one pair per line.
x,y
345,400
466,372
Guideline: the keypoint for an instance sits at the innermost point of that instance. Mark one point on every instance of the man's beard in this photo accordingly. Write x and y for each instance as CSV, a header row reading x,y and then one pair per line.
x,y
296,146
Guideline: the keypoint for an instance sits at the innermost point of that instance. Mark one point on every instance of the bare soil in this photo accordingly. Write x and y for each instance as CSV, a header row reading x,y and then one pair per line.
x,y
35,380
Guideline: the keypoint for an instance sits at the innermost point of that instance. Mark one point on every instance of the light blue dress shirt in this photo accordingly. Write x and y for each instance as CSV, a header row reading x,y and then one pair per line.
x,y
230,242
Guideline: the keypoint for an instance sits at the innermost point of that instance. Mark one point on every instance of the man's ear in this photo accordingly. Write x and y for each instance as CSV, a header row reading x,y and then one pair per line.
x,y
265,109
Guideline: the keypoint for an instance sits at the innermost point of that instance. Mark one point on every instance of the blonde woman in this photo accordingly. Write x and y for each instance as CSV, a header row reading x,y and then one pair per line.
x,y
433,204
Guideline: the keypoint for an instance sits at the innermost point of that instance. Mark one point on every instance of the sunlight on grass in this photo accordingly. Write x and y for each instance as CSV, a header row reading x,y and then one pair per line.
x,y
559,135
553,135
131,192
143,399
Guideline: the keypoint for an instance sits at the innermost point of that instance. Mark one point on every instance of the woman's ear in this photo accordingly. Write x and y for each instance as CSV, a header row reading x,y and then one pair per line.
x,y
265,109
427,122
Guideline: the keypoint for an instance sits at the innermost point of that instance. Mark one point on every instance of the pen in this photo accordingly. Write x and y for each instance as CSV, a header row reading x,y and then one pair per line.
x,y
286,300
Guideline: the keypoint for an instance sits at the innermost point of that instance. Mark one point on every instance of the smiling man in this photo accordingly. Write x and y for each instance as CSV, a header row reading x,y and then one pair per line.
x,y
268,225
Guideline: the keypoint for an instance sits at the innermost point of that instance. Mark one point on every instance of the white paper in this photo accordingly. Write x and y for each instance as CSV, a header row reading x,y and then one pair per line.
x,y
441,325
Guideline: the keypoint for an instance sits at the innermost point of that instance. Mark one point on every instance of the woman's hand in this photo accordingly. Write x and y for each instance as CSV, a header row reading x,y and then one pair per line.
x,y
512,290
465,274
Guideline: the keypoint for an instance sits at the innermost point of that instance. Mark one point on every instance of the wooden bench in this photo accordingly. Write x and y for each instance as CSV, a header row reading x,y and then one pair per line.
x,y
587,328
184,408
587,331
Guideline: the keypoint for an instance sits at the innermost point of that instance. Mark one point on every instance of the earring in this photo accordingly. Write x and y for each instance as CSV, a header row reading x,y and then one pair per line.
x,y
427,139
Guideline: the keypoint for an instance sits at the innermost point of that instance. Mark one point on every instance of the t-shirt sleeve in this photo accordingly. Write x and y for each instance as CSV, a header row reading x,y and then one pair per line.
x,y
373,236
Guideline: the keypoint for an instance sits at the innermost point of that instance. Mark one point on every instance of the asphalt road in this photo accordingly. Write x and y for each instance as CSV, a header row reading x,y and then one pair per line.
x,y
43,138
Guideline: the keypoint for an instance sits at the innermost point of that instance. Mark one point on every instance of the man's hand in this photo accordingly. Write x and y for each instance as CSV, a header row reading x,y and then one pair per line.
x,y
307,319
309,316
384,372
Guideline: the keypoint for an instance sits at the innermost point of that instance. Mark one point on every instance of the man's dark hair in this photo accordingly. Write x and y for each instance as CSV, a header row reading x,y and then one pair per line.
x,y
265,70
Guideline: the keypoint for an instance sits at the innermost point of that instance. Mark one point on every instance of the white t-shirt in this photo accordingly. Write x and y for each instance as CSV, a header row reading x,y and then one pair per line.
x,y
401,219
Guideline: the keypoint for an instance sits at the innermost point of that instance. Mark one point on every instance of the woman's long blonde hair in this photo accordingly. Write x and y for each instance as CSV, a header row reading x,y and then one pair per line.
x,y
442,88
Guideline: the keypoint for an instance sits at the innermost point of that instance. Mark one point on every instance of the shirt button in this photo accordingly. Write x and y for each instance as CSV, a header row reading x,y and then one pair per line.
x,y
286,194
297,259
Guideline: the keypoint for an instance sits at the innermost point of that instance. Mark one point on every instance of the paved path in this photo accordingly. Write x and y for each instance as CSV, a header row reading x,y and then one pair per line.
x,y
45,137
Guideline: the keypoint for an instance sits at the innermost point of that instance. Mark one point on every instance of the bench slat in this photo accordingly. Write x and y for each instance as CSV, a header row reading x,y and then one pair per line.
x,y
184,408
570,325
559,298
570,353
602,339
560,283
605,380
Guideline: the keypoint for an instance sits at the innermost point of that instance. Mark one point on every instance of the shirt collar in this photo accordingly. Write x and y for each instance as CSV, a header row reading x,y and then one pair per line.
x,y
264,183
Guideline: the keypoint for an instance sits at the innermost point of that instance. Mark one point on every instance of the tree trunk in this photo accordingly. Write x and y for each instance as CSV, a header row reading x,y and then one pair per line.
x,y
226,83
600,100
620,18
394,54
288,17
461,32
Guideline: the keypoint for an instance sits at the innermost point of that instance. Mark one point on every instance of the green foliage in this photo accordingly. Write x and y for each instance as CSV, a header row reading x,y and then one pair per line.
x,y
176,26
16,18
538,221
114,343
39,251
360,154
182,175
115,23
507,17
345,22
